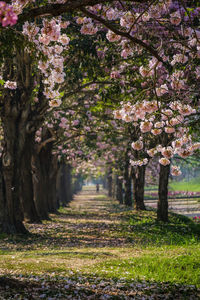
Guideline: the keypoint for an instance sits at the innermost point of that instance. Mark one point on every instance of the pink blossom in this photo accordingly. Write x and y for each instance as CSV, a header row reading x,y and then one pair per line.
x,y
167,152
177,144
146,126
12,85
55,103
152,152
7,14
159,124
175,18
117,115
156,131
113,37
112,14
139,163
64,39
184,152
175,171
128,118
169,129
89,29
115,74
163,89
138,145
75,122
164,161
144,71
44,39
179,58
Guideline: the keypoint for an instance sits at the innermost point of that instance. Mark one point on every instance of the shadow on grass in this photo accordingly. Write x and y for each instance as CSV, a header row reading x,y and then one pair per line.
x,y
88,287
112,227
75,254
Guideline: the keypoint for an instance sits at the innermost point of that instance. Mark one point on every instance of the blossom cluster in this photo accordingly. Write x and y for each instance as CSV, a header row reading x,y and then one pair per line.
x,y
153,119
51,42
7,14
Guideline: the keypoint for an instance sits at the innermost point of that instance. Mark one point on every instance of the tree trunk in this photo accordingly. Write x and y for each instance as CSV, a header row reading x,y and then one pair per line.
x,y
119,192
64,190
162,209
27,195
114,186
110,183
45,169
40,187
14,137
138,190
52,197
19,118
77,184
69,194
104,181
127,178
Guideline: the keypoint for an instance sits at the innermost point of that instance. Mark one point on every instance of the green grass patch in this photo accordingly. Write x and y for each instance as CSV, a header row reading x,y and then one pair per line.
x,y
172,264
99,238
190,186
142,228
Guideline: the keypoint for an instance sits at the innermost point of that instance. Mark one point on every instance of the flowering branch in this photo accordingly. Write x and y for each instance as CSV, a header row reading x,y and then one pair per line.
x,y
126,35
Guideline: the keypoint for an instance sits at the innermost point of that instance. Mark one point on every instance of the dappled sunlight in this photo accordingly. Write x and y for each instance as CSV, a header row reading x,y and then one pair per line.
x,y
93,244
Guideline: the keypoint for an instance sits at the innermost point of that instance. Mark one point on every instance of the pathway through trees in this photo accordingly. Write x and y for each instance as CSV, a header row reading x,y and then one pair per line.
x,y
64,258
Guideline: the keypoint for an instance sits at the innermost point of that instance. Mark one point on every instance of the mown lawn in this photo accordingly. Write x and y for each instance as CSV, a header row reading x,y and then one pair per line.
x,y
190,186
96,249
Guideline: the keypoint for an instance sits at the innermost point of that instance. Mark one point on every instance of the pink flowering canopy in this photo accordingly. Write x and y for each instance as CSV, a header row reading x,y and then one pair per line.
x,y
162,38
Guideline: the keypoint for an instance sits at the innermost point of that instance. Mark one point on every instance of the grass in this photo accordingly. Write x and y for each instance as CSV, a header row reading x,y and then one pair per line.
x,y
98,241
190,186
169,264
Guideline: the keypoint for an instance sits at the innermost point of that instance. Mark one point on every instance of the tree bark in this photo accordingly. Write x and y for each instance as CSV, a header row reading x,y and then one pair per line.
x,y
110,183
127,178
138,176
114,186
26,185
14,126
119,192
53,171
69,194
40,188
162,208
45,173
19,119
64,186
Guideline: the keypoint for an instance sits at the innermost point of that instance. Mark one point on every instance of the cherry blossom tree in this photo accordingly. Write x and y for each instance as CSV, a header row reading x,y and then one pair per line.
x,y
166,33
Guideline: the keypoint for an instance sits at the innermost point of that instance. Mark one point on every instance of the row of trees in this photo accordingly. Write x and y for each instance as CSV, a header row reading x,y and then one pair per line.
x,y
89,78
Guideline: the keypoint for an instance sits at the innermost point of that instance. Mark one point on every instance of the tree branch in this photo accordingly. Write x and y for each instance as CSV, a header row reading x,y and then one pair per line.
x,y
126,35
68,6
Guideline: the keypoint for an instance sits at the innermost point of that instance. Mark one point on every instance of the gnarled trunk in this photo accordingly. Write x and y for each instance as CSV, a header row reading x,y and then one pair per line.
x,y
18,116
14,127
162,209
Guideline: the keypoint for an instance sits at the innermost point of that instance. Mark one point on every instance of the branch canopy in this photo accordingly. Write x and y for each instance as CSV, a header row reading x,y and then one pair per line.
x,y
58,9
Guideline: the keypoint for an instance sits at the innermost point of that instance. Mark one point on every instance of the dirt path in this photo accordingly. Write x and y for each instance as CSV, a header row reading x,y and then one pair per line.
x,y
60,258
